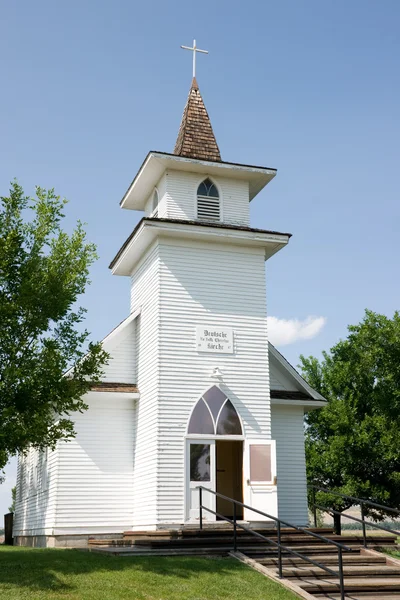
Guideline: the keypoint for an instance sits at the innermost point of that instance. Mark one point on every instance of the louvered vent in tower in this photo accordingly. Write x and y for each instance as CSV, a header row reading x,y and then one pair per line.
x,y
208,202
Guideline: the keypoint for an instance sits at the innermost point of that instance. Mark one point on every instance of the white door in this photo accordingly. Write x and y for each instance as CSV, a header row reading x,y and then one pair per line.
x,y
200,471
260,483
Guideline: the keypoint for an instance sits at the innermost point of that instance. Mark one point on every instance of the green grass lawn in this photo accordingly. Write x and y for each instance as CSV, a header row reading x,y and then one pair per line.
x,y
36,574
394,553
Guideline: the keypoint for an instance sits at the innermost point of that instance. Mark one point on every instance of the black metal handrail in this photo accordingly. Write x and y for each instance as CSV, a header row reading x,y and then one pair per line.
x,y
278,544
361,501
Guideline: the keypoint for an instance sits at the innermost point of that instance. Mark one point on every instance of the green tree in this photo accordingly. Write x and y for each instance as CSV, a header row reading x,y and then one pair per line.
x,y
353,444
43,271
13,499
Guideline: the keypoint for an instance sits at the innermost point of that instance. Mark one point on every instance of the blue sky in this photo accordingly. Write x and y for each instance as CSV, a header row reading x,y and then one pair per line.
x,y
305,86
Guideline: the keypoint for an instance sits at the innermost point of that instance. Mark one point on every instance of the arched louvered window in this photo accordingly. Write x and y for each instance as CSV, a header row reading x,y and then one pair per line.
x,y
208,202
214,414
155,203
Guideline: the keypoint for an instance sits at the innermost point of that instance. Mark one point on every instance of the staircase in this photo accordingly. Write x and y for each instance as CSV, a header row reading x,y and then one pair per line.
x,y
217,540
367,574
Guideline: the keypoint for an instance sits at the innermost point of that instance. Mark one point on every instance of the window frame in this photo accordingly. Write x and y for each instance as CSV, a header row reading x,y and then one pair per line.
x,y
220,196
154,211
215,436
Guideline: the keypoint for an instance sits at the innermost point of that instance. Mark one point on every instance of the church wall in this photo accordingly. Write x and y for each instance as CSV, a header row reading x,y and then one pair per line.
x,y
36,493
145,294
121,367
214,285
182,195
288,431
95,475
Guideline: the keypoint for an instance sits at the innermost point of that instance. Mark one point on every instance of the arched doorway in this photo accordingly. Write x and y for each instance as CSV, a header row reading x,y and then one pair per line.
x,y
214,455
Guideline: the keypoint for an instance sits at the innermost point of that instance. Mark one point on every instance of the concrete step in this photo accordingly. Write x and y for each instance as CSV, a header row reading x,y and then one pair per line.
x,y
291,541
348,571
296,538
135,551
352,584
305,549
361,596
267,531
326,559
198,541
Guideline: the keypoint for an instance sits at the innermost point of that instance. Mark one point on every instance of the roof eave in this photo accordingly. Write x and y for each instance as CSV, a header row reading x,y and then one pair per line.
x,y
148,229
156,163
307,405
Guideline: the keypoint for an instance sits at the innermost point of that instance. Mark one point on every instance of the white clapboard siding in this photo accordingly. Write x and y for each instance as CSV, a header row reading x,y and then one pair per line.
x,y
181,197
36,493
206,284
95,475
145,295
121,366
280,379
288,431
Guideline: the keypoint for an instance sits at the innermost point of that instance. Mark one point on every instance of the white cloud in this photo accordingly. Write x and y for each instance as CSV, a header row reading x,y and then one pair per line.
x,y
287,331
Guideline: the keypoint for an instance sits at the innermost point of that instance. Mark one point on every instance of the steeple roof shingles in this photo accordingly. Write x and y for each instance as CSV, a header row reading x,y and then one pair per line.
x,y
196,138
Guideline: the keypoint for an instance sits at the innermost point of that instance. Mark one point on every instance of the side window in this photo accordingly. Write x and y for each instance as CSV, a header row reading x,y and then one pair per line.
x,y
43,469
155,203
208,202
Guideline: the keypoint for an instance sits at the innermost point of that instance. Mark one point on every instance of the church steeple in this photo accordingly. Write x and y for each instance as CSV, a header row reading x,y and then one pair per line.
x,y
196,138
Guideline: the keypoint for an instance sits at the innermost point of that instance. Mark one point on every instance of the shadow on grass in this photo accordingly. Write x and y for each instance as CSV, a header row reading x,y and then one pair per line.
x,y
57,570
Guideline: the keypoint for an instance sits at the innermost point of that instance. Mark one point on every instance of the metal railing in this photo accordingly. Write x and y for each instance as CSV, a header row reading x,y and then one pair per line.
x,y
278,544
361,501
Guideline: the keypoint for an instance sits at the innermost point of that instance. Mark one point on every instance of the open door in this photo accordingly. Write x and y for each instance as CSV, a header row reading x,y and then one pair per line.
x,y
229,478
200,467
260,485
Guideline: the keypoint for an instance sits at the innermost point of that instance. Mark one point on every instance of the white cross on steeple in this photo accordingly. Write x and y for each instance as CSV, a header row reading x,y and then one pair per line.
x,y
194,50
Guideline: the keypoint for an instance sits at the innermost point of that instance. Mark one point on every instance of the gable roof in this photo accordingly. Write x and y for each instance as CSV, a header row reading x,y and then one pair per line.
x,y
196,138
301,392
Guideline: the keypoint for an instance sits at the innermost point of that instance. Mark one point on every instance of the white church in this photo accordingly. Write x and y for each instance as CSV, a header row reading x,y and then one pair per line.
x,y
194,394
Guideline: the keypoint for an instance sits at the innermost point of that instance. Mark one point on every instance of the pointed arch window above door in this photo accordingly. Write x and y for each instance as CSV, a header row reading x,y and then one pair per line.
x,y
214,414
208,202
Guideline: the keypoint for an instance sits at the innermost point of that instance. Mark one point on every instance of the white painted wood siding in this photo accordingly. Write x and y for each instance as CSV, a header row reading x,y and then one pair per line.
x,y
36,493
95,474
121,367
288,431
181,197
145,295
206,284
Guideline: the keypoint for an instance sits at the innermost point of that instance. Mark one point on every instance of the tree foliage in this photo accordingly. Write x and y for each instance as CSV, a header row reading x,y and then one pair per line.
x,y
353,444
43,271
13,499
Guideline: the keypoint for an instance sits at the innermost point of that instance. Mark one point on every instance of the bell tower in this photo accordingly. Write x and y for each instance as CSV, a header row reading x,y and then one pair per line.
x,y
197,271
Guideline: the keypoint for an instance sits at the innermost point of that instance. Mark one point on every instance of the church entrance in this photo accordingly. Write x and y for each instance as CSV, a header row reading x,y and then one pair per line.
x,y
214,456
229,476
217,465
